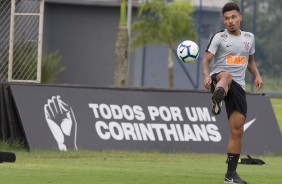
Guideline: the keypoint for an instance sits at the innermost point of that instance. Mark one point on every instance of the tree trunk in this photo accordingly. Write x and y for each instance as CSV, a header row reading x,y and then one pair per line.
x,y
121,56
170,68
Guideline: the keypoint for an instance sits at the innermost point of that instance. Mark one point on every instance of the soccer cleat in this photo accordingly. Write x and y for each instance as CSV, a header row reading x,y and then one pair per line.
x,y
217,97
235,179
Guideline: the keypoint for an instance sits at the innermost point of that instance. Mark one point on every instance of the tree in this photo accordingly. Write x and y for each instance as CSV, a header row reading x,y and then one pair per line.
x,y
268,32
51,67
159,22
121,51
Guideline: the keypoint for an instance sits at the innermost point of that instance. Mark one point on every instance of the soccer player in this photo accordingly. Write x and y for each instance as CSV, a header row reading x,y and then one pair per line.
x,y
233,52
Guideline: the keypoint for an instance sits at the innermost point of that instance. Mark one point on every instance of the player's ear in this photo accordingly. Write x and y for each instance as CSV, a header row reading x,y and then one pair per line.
x,y
241,17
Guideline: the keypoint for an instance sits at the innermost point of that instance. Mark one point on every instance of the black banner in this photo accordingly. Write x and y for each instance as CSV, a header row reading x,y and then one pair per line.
x,y
65,117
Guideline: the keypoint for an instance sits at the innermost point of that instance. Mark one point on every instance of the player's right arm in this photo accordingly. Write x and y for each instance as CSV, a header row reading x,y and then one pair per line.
x,y
212,48
206,69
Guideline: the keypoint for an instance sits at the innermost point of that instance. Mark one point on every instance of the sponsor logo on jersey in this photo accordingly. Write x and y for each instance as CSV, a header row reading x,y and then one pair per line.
x,y
235,60
223,35
247,35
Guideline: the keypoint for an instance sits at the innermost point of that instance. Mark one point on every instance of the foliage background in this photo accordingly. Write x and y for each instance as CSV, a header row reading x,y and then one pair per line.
x,y
264,22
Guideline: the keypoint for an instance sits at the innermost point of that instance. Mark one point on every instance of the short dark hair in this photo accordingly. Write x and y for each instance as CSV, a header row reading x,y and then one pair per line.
x,y
229,7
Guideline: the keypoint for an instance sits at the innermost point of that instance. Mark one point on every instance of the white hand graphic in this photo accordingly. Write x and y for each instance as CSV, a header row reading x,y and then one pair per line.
x,y
61,121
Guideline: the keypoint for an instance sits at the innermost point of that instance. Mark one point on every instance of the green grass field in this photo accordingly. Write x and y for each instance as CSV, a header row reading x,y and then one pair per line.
x,y
130,167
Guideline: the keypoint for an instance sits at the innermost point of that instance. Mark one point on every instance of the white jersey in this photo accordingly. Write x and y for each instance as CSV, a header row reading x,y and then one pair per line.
x,y
231,53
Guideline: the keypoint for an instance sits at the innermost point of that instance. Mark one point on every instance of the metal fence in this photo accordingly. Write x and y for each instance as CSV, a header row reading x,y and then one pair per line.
x,y
21,27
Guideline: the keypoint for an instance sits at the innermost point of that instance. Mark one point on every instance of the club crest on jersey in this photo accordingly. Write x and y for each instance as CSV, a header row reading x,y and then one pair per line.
x,y
247,46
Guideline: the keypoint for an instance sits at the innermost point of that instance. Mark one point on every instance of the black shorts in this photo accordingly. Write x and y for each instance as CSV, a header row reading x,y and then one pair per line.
x,y
235,99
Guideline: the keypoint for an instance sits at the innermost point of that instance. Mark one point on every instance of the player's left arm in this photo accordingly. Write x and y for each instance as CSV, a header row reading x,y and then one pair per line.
x,y
253,69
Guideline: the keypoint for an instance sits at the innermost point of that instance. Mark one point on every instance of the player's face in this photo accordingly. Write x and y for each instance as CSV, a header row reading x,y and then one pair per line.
x,y
232,20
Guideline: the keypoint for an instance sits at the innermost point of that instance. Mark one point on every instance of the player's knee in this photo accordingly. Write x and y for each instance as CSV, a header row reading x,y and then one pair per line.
x,y
237,132
227,76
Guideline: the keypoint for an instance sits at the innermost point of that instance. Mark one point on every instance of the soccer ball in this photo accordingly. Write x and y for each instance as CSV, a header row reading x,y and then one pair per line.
x,y
188,51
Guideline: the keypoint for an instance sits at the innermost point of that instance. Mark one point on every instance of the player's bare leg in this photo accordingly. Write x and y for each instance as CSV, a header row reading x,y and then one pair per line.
x,y
224,80
236,122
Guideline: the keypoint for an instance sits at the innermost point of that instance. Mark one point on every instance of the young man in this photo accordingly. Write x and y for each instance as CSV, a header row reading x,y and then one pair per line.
x,y
233,52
